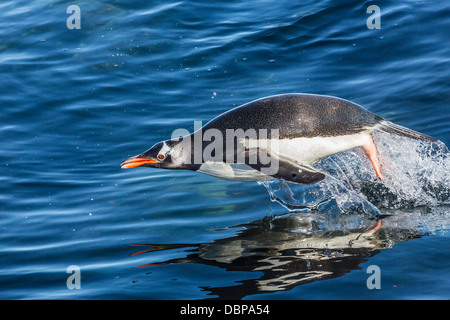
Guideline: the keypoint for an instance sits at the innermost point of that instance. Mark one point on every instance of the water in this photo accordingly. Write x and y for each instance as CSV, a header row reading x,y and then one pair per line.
x,y
75,103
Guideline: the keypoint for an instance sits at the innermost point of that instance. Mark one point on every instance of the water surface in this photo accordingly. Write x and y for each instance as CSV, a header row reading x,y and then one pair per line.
x,y
75,103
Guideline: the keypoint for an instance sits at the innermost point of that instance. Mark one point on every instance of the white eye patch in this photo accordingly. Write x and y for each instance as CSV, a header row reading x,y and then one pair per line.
x,y
164,149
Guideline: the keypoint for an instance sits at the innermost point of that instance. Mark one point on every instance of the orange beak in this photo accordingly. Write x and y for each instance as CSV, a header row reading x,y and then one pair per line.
x,y
134,162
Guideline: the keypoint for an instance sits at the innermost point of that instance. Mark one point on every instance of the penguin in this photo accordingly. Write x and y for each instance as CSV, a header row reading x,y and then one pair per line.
x,y
276,137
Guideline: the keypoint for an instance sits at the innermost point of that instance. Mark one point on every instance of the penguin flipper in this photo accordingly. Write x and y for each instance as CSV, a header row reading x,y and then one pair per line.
x,y
290,172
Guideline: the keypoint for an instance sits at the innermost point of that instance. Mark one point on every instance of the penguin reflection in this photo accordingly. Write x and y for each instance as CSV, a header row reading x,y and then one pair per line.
x,y
282,259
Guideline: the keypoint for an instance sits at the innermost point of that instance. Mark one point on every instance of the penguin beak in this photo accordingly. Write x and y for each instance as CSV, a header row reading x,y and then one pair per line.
x,y
135,161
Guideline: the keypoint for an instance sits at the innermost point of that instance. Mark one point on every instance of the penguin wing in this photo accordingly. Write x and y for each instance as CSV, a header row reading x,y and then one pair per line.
x,y
290,172
283,169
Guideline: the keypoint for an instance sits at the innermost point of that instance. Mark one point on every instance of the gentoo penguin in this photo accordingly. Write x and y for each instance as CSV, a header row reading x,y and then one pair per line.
x,y
280,137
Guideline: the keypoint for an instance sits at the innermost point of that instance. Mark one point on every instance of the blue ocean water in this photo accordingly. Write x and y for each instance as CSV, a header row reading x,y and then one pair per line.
x,y
76,102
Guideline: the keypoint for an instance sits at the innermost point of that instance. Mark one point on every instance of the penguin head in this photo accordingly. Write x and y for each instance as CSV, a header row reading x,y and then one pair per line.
x,y
165,154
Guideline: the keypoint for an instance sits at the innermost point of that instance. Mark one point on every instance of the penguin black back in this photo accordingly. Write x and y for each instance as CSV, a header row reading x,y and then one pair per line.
x,y
298,115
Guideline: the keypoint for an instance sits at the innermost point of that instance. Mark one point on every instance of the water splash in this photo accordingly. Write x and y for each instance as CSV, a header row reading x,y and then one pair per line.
x,y
416,174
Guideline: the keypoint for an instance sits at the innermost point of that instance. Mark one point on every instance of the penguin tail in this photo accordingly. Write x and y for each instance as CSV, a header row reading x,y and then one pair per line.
x,y
390,127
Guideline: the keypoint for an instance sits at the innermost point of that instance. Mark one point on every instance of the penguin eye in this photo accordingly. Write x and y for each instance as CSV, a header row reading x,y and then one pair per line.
x,y
160,157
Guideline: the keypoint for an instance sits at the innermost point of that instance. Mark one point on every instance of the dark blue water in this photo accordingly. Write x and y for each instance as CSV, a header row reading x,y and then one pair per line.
x,y
75,103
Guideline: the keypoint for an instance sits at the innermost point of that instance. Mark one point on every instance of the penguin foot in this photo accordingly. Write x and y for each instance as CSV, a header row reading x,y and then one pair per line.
x,y
371,151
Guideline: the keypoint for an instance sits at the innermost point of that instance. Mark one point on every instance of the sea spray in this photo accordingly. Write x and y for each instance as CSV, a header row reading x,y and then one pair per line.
x,y
415,174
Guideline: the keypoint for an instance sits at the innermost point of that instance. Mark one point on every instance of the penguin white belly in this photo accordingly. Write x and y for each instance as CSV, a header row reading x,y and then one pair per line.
x,y
232,171
307,151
